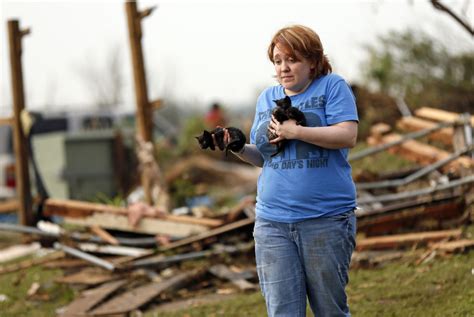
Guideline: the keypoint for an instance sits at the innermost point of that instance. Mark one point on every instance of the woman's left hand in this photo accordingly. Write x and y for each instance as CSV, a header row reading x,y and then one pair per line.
x,y
285,130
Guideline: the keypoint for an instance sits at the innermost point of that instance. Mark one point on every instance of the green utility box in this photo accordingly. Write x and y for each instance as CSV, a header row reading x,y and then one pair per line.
x,y
96,163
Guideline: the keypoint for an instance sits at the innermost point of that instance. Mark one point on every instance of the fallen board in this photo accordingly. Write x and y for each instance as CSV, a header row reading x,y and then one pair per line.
x,y
404,240
90,298
146,225
139,296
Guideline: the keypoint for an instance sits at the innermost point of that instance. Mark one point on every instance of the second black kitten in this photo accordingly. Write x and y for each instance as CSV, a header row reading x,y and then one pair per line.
x,y
236,143
282,112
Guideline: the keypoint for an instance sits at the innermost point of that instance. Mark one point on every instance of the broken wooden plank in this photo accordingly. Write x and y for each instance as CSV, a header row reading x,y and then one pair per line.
x,y
439,115
139,296
444,135
404,240
104,235
74,208
423,153
454,246
91,298
379,129
146,225
31,262
222,271
210,233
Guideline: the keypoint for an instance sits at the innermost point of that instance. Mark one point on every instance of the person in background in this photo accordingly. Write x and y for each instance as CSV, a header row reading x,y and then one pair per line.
x,y
215,117
305,224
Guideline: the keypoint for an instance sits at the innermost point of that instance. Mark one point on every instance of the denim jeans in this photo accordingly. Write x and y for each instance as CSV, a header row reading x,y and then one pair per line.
x,y
305,260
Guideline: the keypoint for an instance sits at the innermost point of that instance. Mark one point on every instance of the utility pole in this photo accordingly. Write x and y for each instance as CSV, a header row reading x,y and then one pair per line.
x,y
144,110
21,150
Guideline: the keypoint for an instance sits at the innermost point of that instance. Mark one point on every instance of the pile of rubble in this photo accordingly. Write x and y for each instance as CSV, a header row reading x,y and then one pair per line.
x,y
421,209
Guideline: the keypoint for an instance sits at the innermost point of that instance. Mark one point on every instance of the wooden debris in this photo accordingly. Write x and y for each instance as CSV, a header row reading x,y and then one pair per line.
x,y
139,296
444,135
210,233
85,256
91,298
88,276
455,246
18,251
423,153
222,271
409,218
68,263
379,129
104,235
31,262
405,240
146,225
420,201
74,208
439,115
111,217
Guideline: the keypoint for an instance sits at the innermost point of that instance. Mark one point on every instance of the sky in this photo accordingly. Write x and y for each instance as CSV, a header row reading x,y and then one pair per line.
x,y
197,51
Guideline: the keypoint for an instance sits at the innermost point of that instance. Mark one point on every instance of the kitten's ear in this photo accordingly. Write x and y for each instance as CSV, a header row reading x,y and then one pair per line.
x,y
207,133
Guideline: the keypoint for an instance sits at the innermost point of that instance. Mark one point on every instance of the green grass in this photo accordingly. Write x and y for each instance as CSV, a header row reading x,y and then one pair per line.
x,y
443,287
16,285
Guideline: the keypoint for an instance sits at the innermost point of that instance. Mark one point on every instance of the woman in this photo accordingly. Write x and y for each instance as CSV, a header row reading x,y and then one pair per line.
x,y
305,223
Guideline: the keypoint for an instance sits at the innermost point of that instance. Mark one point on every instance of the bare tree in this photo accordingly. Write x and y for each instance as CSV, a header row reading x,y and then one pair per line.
x,y
104,83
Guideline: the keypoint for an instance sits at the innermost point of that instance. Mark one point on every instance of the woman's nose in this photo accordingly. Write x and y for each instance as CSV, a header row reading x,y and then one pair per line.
x,y
285,67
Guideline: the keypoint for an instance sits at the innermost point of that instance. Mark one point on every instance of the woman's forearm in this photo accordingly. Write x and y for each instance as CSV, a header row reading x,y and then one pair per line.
x,y
341,135
251,154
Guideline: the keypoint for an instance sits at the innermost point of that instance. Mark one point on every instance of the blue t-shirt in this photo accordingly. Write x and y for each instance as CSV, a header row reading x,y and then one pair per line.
x,y
304,180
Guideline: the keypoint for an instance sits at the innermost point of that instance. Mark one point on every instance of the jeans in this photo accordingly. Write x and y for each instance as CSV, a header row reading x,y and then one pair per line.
x,y
308,259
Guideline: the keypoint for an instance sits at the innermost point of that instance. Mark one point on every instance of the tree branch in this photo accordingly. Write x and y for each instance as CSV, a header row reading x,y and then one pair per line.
x,y
438,5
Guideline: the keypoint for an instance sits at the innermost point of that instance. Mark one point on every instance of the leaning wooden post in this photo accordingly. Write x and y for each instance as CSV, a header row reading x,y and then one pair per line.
x,y
144,111
21,150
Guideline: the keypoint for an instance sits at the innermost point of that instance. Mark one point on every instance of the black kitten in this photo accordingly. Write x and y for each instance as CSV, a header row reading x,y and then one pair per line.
x,y
282,112
236,143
